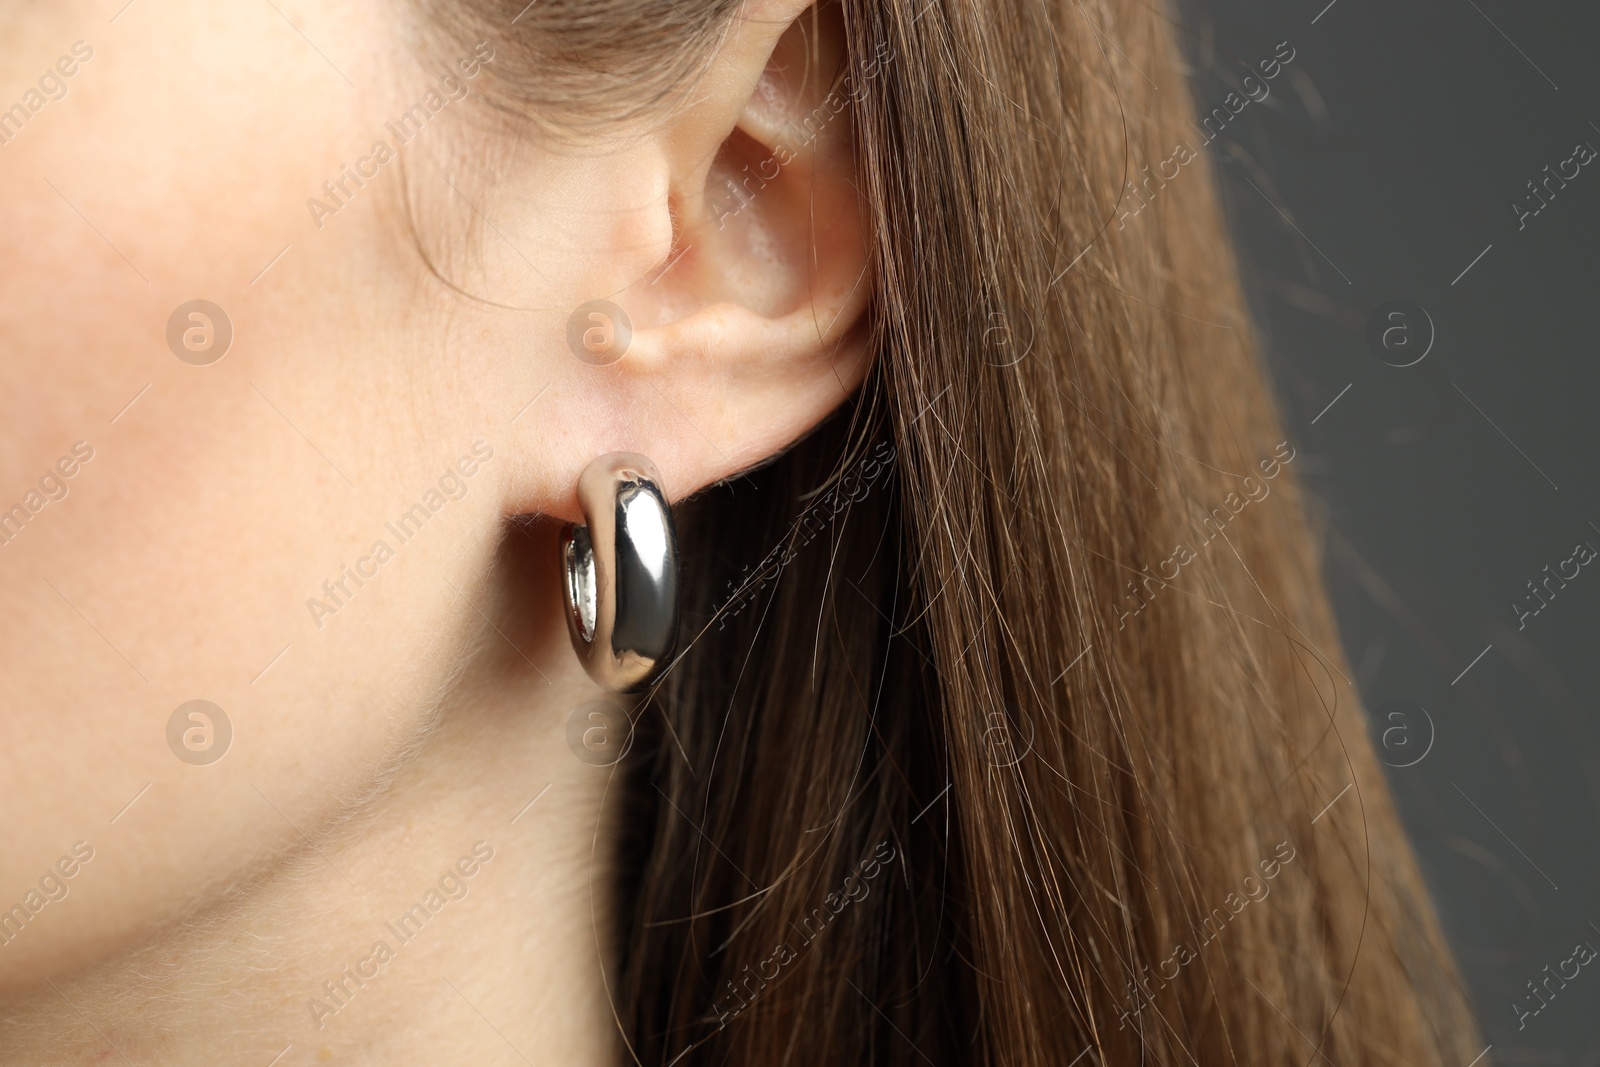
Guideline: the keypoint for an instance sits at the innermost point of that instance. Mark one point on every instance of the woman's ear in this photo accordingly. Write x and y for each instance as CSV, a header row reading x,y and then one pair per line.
x,y
720,316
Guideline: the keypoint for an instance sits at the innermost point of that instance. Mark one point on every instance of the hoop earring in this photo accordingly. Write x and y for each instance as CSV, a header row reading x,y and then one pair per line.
x,y
621,573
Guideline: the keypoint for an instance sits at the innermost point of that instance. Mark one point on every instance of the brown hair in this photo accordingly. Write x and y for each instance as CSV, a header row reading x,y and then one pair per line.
x,y
1013,709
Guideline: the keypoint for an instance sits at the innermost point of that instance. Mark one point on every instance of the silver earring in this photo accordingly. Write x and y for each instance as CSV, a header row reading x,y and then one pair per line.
x,y
621,569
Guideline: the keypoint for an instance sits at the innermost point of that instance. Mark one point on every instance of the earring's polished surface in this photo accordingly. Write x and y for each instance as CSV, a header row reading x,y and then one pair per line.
x,y
621,573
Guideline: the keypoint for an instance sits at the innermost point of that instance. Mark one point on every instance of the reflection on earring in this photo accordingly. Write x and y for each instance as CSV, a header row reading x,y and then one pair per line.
x,y
621,573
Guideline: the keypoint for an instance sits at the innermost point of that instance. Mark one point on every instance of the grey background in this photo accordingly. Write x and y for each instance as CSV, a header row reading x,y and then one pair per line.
x,y
1384,161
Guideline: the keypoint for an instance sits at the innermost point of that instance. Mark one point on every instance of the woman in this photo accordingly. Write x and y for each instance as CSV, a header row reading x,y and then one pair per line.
x,y
1006,721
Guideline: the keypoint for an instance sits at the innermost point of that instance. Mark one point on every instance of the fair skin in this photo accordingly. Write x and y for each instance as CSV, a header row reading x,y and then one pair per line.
x,y
373,746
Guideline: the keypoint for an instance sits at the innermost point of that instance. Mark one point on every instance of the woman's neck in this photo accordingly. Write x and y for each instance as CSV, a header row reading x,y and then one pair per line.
x,y
457,917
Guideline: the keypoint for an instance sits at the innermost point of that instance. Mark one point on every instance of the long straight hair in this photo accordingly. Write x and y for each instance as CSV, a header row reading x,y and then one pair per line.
x,y
1013,726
